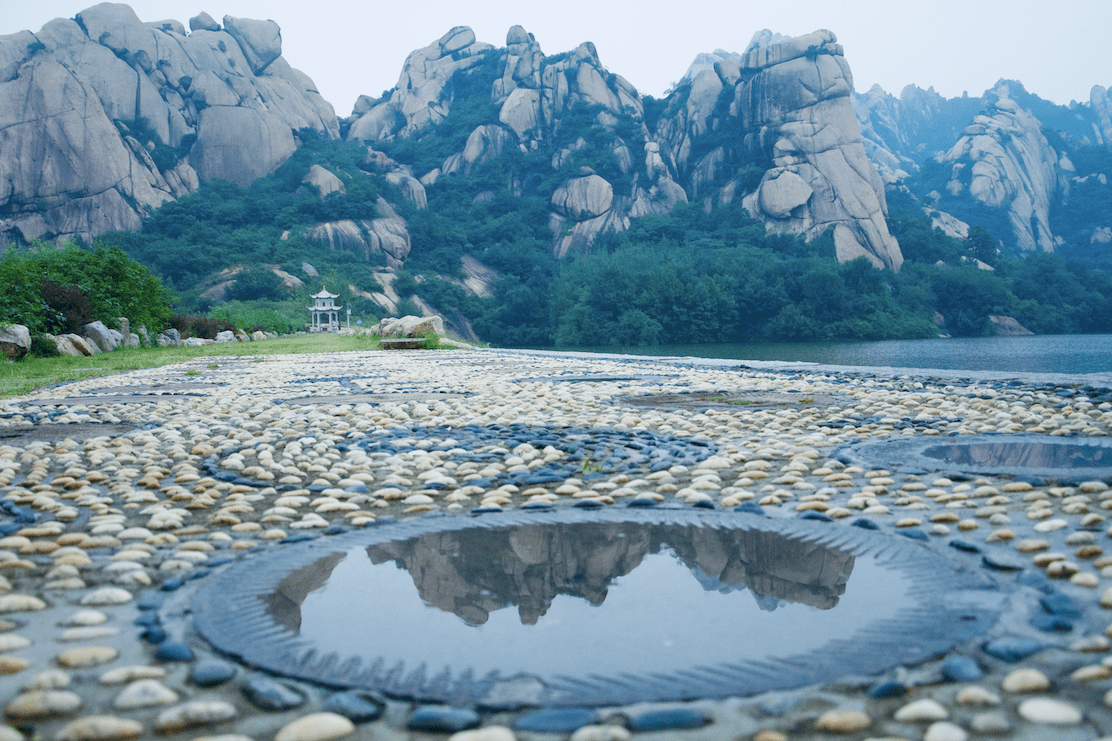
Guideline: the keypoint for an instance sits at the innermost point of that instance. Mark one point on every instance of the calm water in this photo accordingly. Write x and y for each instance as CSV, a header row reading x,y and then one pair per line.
x,y
635,598
1031,354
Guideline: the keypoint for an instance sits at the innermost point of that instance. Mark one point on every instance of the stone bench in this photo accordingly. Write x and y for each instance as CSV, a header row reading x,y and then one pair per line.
x,y
402,343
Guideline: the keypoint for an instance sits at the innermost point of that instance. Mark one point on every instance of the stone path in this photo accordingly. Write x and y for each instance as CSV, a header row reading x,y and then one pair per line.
x,y
97,530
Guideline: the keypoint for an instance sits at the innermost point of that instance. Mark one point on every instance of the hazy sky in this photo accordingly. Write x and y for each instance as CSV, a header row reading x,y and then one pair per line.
x,y
1059,50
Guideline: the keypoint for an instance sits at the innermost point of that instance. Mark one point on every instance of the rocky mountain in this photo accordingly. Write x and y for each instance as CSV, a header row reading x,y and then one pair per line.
x,y
1002,159
775,128
104,117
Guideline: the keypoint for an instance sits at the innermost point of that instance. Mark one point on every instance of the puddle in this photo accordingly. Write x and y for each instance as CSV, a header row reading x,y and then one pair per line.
x,y
733,400
58,432
570,608
1015,455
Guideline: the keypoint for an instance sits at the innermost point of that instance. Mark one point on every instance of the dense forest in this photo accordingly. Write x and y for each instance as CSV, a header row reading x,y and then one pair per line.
x,y
700,274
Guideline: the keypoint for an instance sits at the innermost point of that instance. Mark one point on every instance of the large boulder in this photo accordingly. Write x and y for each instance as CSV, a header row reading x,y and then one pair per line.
x,y
100,335
1003,161
260,41
410,326
79,345
15,341
583,198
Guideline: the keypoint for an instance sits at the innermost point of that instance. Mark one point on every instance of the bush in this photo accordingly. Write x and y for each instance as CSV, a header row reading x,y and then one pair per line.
x,y
200,326
69,305
42,347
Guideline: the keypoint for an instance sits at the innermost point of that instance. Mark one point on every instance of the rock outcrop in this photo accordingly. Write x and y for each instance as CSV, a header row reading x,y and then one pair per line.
x,y
785,109
534,96
1003,161
104,117
388,235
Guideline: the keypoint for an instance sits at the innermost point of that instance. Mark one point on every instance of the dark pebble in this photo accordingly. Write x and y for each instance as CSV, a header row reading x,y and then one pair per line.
x,y
886,690
441,719
562,720
588,504
149,601
358,707
269,694
211,672
1012,648
961,669
297,538
147,619
666,720
864,524
642,503
965,546
155,634
172,584
173,651
1058,603
812,515
751,508
1000,562
1051,623
537,506
913,534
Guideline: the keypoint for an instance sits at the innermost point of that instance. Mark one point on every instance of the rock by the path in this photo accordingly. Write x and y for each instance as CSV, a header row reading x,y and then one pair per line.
x,y
15,341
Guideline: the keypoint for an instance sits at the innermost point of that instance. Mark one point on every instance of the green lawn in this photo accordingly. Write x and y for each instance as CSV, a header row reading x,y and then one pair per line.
x,y
31,374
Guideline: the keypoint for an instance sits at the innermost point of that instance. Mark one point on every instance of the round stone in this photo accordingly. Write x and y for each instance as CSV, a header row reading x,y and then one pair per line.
x,y
106,596
945,731
1025,680
145,693
918,711
843,721
43,704
316,727
195,713
101,728
492,733
86,656
1047,710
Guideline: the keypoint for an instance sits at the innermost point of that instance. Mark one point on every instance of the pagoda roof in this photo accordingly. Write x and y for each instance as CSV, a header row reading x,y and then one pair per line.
x,y
325,294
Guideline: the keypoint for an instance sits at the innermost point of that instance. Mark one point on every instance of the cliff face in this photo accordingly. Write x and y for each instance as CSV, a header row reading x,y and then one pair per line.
x,y
785,109
1003,161
103,117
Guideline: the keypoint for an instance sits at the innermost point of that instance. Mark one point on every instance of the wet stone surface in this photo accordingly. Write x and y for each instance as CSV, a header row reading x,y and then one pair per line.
x,y
156,499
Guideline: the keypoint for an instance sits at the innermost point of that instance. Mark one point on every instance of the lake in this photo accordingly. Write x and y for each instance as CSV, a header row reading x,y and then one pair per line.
x,y
1029,354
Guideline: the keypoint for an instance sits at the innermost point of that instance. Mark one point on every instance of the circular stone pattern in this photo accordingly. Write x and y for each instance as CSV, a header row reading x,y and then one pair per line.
x,y
591,608
1009,455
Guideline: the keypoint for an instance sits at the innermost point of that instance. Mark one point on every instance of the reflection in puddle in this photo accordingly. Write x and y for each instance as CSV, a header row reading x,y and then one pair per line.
x,y
561,599
1023,454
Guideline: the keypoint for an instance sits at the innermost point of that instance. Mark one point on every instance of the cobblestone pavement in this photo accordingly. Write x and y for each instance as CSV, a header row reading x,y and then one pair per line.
x,y
117,492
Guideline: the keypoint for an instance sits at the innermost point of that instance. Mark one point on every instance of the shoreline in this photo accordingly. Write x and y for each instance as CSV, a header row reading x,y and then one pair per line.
x,y
217,474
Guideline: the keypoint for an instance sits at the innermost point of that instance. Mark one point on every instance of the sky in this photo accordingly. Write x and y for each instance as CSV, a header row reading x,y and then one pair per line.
x,y
1058,50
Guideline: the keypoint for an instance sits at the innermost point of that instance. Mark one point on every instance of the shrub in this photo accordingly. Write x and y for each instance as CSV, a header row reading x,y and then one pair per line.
x,y
200,326
69,305
42,347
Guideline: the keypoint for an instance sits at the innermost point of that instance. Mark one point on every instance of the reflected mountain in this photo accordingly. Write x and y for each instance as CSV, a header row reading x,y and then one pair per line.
x,y
474,572
1017,454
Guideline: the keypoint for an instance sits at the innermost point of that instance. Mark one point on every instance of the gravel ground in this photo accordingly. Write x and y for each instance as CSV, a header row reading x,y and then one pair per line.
x,y
116,492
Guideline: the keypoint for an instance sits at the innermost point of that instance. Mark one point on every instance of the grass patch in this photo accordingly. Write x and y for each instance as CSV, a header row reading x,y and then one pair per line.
x,y
31,374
